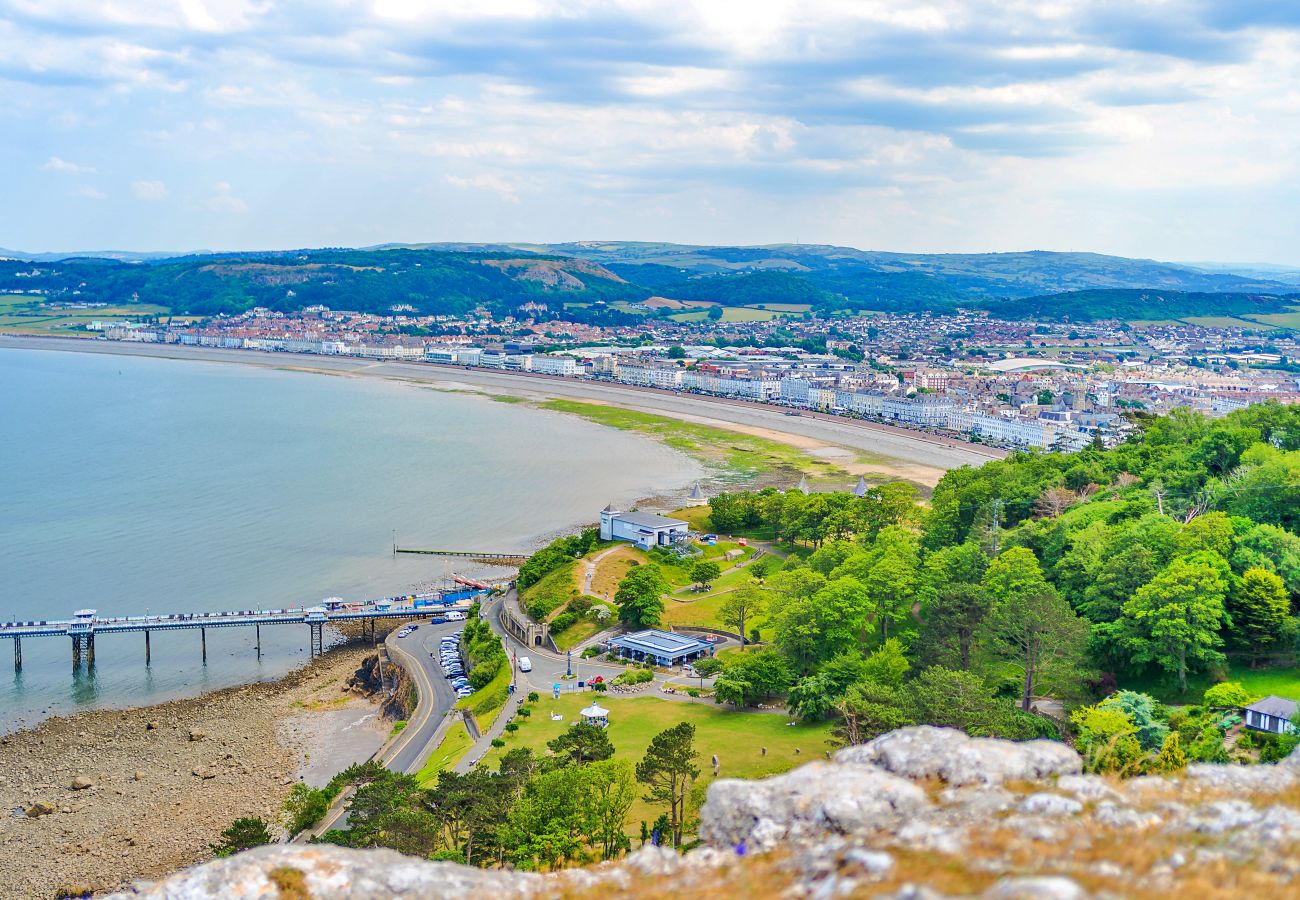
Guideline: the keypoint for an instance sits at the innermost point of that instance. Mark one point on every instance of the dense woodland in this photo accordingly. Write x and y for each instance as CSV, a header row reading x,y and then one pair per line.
x,y
580,287
1172,558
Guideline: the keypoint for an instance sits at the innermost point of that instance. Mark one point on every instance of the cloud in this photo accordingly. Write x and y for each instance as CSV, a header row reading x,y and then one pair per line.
x,y
493,184
223,199
54,164
89,193
149,190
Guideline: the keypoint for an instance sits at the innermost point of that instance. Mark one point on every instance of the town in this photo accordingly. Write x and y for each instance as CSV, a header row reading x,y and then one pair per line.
x,y
1019,385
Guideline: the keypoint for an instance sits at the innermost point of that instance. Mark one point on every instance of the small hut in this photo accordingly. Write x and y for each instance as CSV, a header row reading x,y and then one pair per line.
x,y
861,489
596,715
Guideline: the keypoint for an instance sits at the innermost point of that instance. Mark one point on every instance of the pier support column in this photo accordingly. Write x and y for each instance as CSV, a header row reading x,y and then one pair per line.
x,y
90,651
203,642
257,630
147,655
18,654
317,639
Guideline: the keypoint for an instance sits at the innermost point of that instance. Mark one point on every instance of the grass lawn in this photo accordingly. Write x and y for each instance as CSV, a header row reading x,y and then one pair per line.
x,y
1223,322
736,737
1284,681
696,516
729,314
487,701
558,584
745,455
29,315
609,571
703,610
579,632
455,744
1281,320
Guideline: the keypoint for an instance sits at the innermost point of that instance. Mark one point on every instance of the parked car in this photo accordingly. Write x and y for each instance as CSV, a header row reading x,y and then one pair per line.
x,y
525,664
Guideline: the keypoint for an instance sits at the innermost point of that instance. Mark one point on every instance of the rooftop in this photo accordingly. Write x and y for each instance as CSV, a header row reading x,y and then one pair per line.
x,y
649,520
1275,706
662,641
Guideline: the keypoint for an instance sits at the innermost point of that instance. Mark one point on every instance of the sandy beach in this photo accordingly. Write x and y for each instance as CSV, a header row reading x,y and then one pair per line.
x,y
166,779
888,451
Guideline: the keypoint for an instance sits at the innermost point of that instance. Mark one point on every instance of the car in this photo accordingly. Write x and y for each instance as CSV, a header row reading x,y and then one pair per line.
x,y
455,616
525,664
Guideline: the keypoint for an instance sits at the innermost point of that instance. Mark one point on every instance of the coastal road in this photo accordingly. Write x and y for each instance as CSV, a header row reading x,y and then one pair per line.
x,y
418,653
906,446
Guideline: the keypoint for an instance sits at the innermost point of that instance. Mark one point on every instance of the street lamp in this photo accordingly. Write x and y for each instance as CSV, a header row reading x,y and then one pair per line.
x,y
568,664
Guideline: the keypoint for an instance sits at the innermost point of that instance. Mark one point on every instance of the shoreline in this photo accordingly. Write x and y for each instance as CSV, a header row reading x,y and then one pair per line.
x,y
167,778
923,456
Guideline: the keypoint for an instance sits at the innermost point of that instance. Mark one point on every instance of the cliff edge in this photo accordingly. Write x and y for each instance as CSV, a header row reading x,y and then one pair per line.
x,y
920,813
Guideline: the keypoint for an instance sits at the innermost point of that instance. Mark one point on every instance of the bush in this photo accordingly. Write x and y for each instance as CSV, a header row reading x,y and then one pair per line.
x,y
533,696
563,622
542,606
600,687
304,807
692,692
497,742
1226,695
512,727
483,674
524,711
241,835
591,652
635,676
580,605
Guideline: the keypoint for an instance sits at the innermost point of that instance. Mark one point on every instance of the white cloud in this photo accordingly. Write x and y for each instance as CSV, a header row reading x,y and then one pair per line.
x,y
223,199
494,184
89,193
149,190
54,164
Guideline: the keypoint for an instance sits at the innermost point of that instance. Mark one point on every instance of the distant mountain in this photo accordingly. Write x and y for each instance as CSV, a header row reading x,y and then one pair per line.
x,y
119,255
1135,304
574,278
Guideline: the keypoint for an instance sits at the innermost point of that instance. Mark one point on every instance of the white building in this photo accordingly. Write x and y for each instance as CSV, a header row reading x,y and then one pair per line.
x,y
555,365
650,376
646,530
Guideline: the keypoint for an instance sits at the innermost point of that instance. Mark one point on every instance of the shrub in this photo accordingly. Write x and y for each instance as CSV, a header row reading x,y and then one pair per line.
x,y
241,835
563,622
524,711
580,605
533,696
497,742
590,652
512,727
600,687
1226,695
692,692
635,676
482,674
542,606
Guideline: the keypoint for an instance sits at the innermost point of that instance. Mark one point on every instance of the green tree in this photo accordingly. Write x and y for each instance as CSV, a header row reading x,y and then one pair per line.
x,y
608,793
1031,626
668,770
953,621
1171,757
962,700
1107,739
1258,605
886,665
749,677
1174,620
891,587
304,807
707,668
241,835
582,743
714,314
725,514
745,602
640,597
676,351
1226,695
705,572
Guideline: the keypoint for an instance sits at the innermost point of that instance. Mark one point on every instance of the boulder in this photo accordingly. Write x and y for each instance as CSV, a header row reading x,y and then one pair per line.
x,y
40,808
925,751
334,873
81,783
197,735
814,800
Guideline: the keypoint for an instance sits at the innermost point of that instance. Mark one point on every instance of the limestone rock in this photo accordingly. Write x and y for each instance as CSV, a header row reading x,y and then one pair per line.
x,y
818,798
1045,803
197,735
1041,888
335,873
40,808
81,783
928,752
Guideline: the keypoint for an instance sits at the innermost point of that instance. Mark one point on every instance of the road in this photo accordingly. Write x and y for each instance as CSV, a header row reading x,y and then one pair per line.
x,y
900,444
408,752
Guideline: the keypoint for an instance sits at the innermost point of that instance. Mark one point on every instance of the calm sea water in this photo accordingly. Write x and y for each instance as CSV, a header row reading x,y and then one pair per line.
x,y
138,485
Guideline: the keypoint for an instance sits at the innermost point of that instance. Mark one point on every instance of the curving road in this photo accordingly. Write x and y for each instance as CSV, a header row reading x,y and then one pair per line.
x,y
902,444
418,653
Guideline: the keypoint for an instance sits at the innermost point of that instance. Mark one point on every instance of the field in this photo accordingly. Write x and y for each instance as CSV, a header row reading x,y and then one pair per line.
x,y
21,314
1280,320
1223,322
455,744
736,737
485,703
745,455
783,307
729,314
1282,681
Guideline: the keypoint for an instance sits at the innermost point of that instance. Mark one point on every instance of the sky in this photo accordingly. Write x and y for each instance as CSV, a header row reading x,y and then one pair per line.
x,y
1150,128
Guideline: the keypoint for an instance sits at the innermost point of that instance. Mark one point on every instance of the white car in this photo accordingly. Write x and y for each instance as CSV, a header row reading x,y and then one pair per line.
x,y
455,616
525,664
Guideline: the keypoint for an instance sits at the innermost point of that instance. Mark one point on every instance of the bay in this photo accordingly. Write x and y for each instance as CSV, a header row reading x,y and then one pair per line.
x,y
135,485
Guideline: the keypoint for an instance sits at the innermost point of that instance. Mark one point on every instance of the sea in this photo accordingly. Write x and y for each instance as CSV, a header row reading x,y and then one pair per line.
x,y
135,485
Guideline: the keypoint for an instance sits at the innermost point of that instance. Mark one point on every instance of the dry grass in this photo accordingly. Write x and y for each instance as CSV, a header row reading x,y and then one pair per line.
x,y
609,571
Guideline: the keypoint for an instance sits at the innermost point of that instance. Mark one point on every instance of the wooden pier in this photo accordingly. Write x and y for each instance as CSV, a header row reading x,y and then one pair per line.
x,y
508,559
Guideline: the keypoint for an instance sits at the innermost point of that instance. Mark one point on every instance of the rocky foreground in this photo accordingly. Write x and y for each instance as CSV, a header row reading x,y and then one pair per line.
x,y
101,798
920,812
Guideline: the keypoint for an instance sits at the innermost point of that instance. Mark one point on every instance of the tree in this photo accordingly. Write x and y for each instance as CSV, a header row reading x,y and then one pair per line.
x,y
705,571
304,807
1171,757
866,712
962,700
241,835
749,677
676,351
1174,620
1259,605
1030,624
668,769
891,586
743,603
1107,739
725,514
640,597
1226,695
582,743
887,664
707,668
714,313
608,793
953,620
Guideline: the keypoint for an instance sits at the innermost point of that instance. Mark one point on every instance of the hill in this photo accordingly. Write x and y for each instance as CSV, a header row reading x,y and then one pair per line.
x,y
568,278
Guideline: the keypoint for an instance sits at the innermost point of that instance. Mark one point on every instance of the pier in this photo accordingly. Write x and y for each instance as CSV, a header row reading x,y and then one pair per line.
x,y
85,626
508,559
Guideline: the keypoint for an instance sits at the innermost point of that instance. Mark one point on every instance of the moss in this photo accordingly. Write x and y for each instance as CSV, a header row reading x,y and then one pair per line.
x,y
290,882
